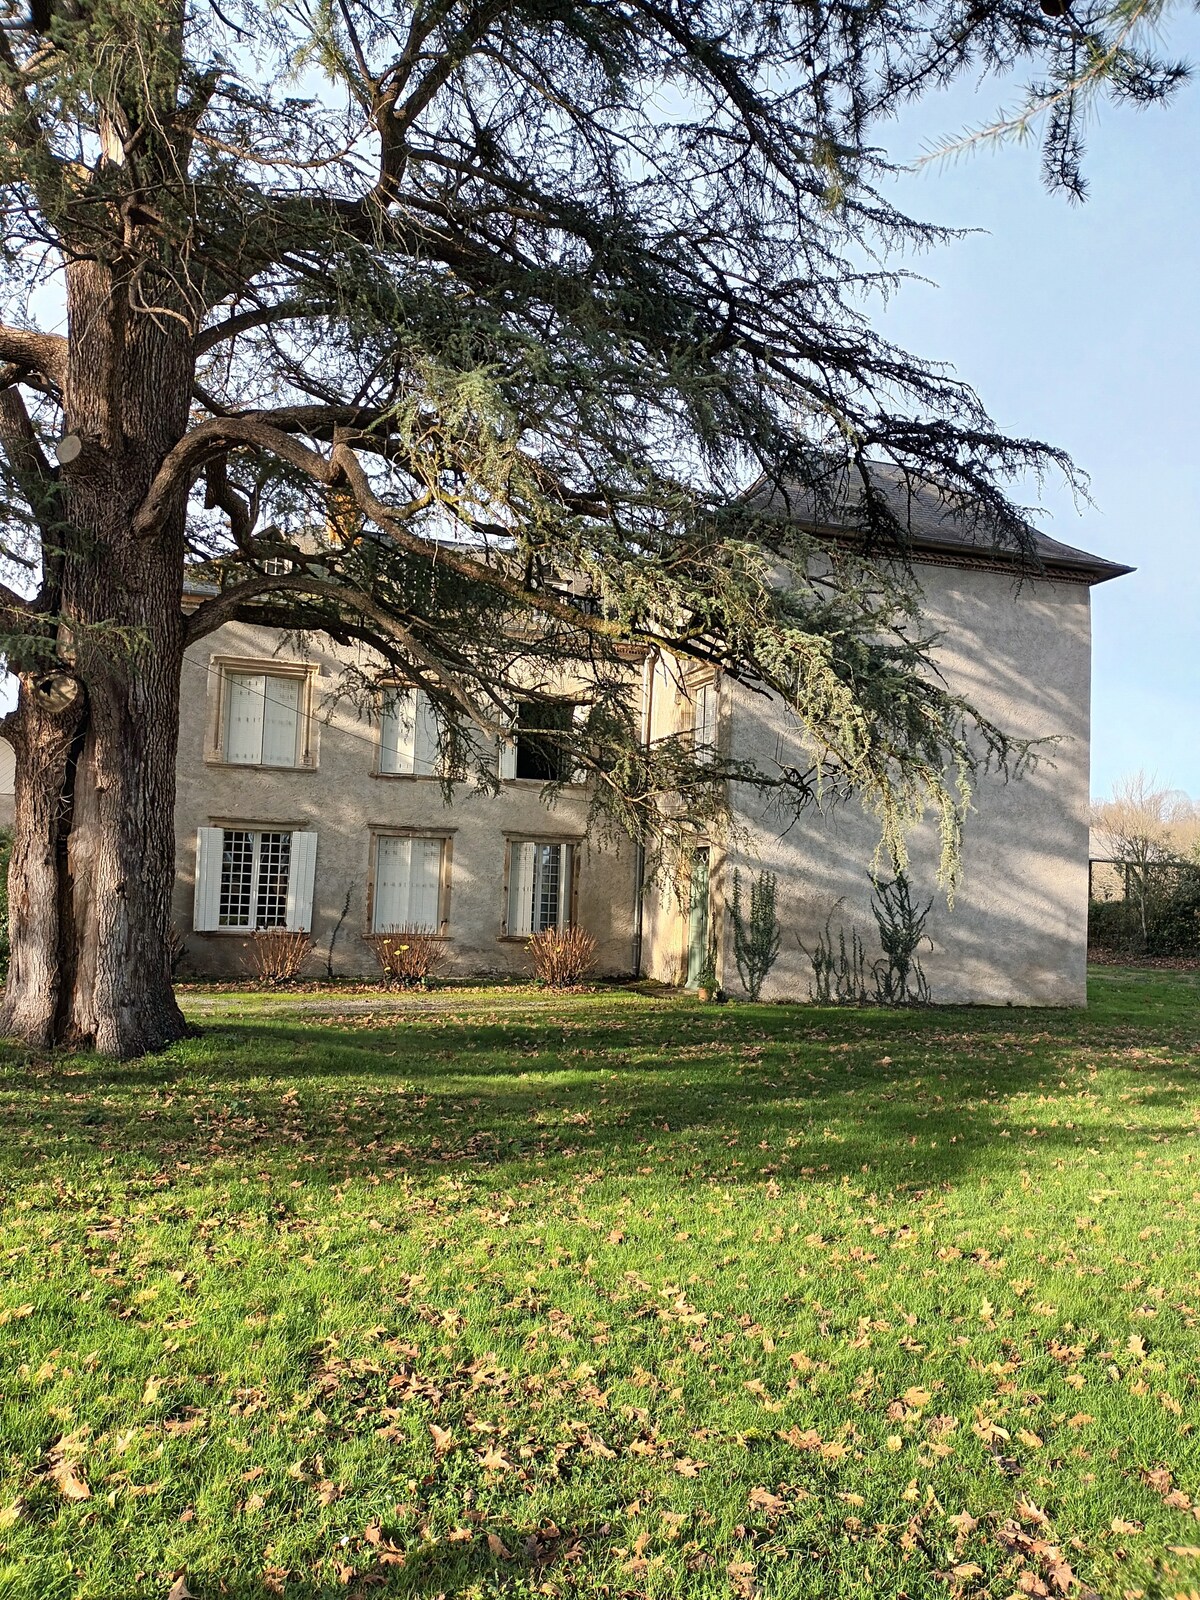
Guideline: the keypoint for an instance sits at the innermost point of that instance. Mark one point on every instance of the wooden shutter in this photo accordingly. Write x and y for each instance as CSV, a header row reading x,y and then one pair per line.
x,y
206,911
397,732
425,737
565,867
244,718
521,868
705,720
302,872
508,758
281,721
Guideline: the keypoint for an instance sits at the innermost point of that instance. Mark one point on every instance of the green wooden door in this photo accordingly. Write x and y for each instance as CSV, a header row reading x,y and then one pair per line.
x,y
697,947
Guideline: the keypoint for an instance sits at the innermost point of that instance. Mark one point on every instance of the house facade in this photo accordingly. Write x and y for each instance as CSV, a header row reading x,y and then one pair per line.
x,y
297,808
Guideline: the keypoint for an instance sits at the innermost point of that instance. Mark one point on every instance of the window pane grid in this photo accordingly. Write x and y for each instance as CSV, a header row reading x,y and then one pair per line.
x,y
237,876
546,881
274,858
254,879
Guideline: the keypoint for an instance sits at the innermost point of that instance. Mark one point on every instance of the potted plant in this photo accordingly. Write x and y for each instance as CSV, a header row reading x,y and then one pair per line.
x,y
706,981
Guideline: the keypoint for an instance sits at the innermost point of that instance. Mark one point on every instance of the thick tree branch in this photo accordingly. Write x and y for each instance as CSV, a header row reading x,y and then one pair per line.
x,y
35,352
244,321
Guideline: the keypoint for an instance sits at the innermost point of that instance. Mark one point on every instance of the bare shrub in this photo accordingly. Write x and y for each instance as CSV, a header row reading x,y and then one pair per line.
x,y
562,956
408,956
278,954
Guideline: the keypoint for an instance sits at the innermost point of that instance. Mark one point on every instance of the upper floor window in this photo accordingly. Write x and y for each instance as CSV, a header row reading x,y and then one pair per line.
x,y
704,717
538,748
410,882
408,735
539,886
249,878
264,719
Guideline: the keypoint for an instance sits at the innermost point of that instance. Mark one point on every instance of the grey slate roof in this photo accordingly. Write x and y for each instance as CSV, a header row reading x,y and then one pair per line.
x,y
935,527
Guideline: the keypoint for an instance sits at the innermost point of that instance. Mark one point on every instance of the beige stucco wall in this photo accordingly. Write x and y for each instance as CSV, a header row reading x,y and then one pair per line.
x,y
1017,932
342,798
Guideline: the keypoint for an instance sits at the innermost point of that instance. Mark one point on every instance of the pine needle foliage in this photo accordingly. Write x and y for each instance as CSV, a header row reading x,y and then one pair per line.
x,y
493,311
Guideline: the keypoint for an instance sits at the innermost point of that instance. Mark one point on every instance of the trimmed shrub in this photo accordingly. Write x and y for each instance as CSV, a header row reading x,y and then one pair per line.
x,y
408,956
278,954
562,956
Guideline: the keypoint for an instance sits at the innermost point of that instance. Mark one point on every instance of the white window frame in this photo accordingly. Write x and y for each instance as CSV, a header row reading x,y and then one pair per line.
x,y
523,875
445,841
210,877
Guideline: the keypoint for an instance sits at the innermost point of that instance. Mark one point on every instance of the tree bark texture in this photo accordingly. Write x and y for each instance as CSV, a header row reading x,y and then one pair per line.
x,y
95,737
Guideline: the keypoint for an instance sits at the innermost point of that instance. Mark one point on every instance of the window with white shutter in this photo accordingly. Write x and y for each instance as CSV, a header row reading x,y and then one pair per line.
x,y
249,878
704,718
408,735
539,886
409,873
263,719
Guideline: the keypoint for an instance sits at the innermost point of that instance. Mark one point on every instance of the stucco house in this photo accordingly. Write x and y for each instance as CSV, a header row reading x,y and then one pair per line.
x,y
297,812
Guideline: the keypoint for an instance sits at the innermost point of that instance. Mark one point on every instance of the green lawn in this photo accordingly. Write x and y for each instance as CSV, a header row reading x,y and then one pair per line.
x,y
609,1295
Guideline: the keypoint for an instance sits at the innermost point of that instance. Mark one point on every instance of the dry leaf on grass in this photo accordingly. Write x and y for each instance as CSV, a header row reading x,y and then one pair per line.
x,y
65,1475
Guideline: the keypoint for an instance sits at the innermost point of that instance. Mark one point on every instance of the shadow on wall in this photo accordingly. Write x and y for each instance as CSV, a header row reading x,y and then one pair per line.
x,y
1017,932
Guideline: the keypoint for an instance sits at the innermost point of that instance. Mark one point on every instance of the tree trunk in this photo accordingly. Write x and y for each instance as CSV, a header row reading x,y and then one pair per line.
x,y
95,736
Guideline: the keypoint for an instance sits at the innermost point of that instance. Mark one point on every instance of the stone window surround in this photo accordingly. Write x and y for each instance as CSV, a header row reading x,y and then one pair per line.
x,y
542,836
377,831
220,669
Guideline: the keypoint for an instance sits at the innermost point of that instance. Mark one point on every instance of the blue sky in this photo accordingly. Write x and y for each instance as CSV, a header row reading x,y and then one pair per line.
x,y
1081,325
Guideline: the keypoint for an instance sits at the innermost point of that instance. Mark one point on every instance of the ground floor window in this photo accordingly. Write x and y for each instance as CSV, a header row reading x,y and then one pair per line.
x,y
410,876
249,878
254,879
539,886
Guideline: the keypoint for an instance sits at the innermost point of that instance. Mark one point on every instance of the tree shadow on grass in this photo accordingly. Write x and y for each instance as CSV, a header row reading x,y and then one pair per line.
x,y
738,1097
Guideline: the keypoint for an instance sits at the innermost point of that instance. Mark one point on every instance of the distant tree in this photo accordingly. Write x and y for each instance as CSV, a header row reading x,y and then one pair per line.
x,y
1144,827
454,330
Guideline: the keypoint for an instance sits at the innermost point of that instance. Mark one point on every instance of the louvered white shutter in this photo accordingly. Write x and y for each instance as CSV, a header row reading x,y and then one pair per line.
x,y
281,721
206,911
393,858
244,718
508,758
705,718
566,867
425,885
579,718
425,737
521,870
302,872
398,732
